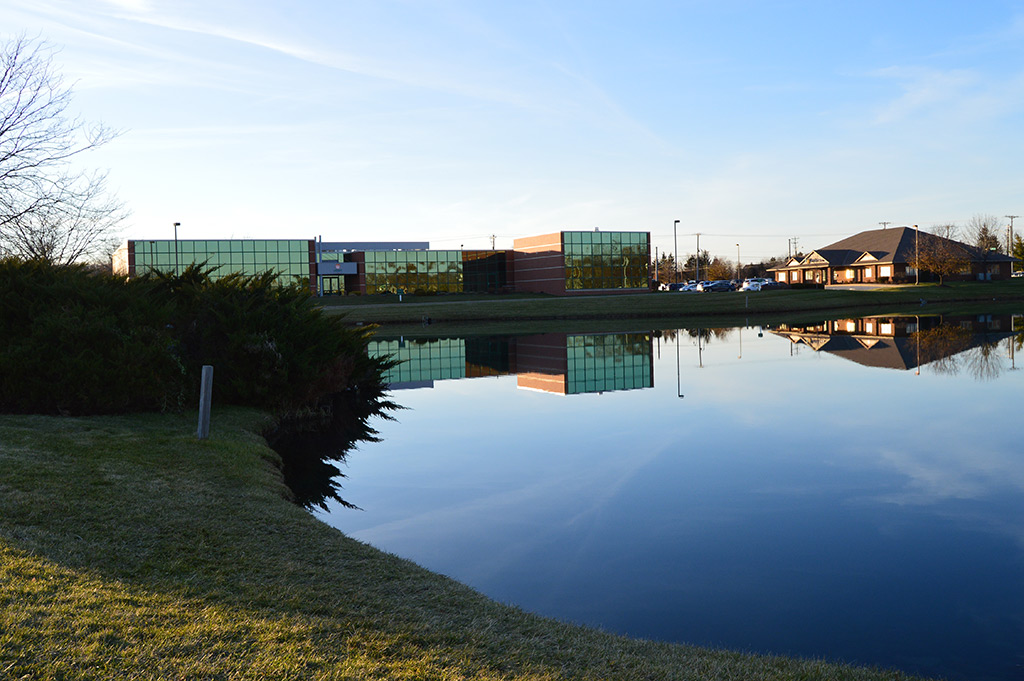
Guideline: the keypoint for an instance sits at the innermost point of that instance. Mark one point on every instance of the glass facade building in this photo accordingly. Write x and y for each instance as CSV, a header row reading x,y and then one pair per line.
x,y
606,260
435,271
292,259
560,263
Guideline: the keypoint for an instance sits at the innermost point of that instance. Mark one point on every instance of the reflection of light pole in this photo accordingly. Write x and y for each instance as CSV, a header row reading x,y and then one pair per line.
x,y
176,225
675,252
679,385
917,337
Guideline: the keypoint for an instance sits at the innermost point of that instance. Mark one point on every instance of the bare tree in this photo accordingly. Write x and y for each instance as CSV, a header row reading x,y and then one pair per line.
x,y
942,257
48,209
983,232
950,230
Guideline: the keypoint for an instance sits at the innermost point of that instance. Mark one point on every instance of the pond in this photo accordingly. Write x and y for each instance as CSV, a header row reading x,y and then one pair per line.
x,y
851,490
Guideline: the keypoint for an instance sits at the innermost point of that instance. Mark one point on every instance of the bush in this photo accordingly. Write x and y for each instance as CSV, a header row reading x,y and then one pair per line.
x,y
75,342
78,342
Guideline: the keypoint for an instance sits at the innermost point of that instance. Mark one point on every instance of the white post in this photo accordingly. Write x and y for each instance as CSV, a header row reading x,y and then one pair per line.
x,y
205,397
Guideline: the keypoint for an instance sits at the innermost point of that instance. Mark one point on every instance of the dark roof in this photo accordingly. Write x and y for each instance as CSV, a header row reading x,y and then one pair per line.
x,y
892,246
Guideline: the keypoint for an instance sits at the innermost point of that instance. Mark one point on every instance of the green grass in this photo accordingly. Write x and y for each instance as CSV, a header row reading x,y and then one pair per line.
x,y
536,313
130,550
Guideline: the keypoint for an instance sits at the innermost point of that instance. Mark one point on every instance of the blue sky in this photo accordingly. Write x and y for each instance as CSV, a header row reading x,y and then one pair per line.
x,y
750,122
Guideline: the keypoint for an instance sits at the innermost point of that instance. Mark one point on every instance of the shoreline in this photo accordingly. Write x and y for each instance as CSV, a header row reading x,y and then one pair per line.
x,y
128,546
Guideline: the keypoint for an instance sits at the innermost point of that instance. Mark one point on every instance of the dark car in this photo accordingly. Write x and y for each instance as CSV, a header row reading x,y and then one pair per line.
x,y
720,285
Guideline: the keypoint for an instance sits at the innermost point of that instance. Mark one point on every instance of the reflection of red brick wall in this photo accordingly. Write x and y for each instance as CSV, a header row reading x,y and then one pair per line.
x,y
540,264
549,383
543,353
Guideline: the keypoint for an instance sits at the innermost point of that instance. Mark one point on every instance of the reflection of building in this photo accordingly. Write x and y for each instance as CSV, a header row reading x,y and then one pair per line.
x,y
898,342
562,263
884,255
566,364
421,362
585,363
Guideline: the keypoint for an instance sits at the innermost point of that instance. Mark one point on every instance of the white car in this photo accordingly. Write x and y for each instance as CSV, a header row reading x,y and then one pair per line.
x,y
749,285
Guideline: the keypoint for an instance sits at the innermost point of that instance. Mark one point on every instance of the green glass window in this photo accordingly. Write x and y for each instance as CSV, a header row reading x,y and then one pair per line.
x,y
606,260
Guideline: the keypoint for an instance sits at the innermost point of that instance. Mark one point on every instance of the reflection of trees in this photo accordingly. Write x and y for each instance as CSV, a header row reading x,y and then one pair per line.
x,y
705,335
984,362
939,345
311,440
947,349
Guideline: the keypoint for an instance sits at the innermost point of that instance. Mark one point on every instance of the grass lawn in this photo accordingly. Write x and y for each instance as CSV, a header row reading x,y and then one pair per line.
x,y
130,550
529,313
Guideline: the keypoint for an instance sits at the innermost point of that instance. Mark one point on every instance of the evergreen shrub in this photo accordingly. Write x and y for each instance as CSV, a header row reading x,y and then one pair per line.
x,y
78,342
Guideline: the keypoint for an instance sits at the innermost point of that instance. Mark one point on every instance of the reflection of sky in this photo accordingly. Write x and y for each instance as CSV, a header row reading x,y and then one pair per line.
x,y
791,502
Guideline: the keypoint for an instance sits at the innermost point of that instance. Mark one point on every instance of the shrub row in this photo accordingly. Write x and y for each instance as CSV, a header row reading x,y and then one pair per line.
x,y
74,341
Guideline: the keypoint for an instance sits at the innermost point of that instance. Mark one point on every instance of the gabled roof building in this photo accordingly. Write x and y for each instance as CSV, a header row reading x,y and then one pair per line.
x,y
884,256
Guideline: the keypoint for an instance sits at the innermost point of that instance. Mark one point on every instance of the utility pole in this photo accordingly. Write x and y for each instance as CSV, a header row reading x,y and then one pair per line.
x,y
698,257
493,237
176,225
1009,241
885,223
675,253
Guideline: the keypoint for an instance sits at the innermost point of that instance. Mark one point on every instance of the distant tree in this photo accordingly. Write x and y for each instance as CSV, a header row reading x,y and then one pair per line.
x,y
666,268
950,230
941,257
690,266
983,232
1018,252
48,210
720,268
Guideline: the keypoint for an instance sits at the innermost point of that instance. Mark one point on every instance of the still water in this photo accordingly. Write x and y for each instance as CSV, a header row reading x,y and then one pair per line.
x,y
851,490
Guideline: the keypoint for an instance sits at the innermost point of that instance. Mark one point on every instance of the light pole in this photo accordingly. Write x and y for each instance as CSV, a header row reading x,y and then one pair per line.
x,y
698,257
917,256
739,274
1009,242
675,253
176,225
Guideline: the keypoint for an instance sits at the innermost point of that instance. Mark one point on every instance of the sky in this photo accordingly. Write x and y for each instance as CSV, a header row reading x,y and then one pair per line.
x,y
471,123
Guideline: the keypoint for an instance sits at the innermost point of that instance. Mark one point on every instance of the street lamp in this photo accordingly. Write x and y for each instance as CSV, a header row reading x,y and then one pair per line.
x,y
176,225
675,253
739,274
698,257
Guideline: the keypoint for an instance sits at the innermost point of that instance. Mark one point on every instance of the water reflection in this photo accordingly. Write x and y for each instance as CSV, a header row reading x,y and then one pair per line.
x,y
943,344
797,501
566,364
311,441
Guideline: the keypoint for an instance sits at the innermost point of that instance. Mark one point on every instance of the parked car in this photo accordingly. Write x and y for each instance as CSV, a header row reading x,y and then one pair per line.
x,y
749,285
772,284
720,285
